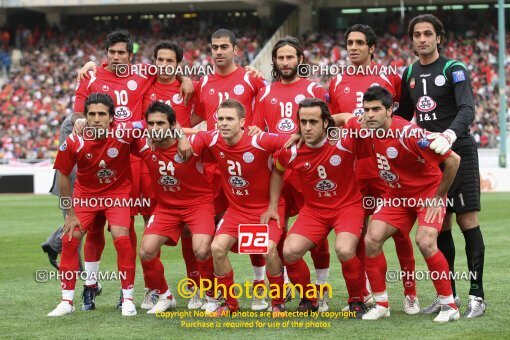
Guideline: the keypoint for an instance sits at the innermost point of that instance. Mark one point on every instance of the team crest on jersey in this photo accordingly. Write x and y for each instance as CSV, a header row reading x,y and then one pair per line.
x,y
325,185
63,147
299,98
177,99
391,152
335,160
154,158
286,125
105,88
178,158
307,165
132,85
238,182
412,83
248,157
105,174
274,101
374,84
358,111
440,80
388,176
168,181
89,156
239,89
426,104
153,96
347,89
112,152
222,155
122,113
211,91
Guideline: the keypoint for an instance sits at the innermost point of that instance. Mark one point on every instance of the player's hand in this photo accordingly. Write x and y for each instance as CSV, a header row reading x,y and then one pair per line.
x,y
294,139
442,141
79,125
254,130
435,210
270,214
184,148
253,71
83,73
70,224
186,90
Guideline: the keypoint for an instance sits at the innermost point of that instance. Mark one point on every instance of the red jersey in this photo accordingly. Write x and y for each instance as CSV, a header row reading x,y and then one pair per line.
x,y
126,93
407,164
245,167
277,105
214,89
102,165
326,173
170,95
346,93
177,184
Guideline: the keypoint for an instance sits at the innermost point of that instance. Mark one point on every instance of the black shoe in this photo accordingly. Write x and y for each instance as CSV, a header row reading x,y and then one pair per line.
x,y
119,304
89,297
52,254
358,307
308,306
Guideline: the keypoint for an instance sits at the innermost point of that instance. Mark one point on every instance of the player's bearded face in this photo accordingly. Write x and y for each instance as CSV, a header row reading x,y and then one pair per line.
x,y
118,54
376,116
98,117
313,128
223,52
229,123
167,61
157,123
287,62
425,39
358,49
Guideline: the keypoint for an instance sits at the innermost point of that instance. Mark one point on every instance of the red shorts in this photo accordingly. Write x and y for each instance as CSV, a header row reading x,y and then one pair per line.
x,y
292,193
371,187
213,175
141,186
92,218
170,222
315,224
403,217
230,222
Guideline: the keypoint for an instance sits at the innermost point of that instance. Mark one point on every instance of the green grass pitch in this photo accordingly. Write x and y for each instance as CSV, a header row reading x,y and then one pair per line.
x,y
26,221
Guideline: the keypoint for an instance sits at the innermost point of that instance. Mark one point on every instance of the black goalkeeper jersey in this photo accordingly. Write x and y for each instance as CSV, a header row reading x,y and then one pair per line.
x,y
440,95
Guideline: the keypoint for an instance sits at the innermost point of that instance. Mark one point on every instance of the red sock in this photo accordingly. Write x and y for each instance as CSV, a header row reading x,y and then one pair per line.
x,y
69,262
257,260
147,284
125,261
154,275
279,247
132,237
376,271
192,267
299,274
320,255
405,254
438,265
352,276
94,245
276,282
206,269
360,253
227,280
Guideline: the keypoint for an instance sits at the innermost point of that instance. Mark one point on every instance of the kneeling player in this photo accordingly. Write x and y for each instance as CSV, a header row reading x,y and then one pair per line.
x,y
101,173
332,201
184,197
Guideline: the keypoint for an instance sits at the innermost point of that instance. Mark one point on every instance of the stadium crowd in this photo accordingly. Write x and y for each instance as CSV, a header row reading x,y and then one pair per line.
x,y
40,67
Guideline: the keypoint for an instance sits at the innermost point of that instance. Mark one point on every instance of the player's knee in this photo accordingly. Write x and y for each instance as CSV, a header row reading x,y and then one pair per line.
x,y
467,220
426,244
344,251
202,253
272,251
146,254
218,250
290,254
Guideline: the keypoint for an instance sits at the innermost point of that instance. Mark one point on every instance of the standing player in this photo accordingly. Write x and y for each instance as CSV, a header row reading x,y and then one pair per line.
x,y
346,91
168,56
438,89
276,109
412,172
228,81
332,201
101,173
184,197
245,165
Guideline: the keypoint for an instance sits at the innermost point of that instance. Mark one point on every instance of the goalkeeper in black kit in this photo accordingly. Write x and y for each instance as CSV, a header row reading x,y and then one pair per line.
x,y
438,91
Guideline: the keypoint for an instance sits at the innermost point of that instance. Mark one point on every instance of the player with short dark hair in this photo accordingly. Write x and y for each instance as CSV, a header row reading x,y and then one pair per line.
x,y
437,91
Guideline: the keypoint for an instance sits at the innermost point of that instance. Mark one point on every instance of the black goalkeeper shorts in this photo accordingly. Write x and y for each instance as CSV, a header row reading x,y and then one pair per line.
x,y
465,189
